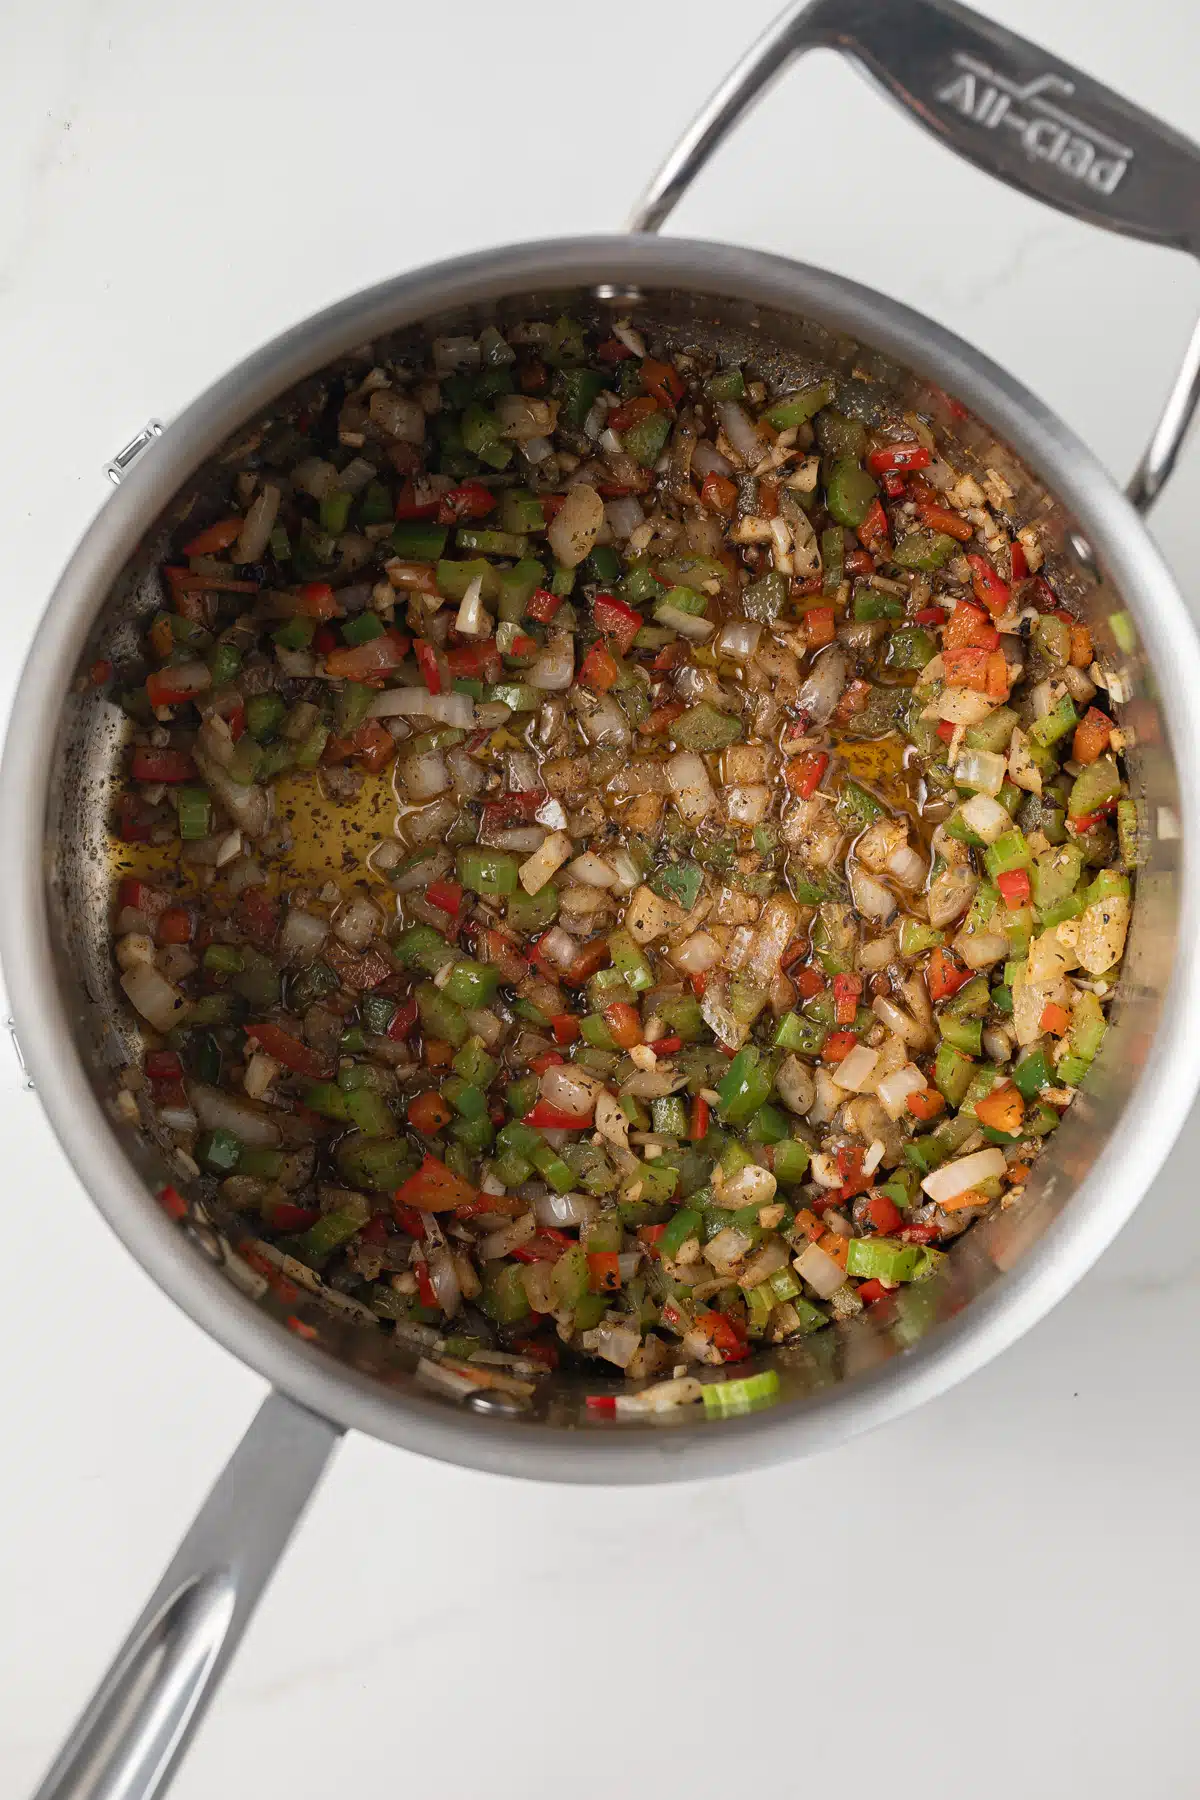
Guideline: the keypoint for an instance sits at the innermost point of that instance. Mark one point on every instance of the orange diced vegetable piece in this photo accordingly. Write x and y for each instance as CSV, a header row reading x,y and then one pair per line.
x,y
1091,736
1055,1019
819,626
835,1245
1081,645
1003,1109
216,537
428,1113
926,1105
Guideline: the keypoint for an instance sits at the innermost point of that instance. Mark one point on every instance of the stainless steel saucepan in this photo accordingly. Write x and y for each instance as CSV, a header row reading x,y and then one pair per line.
x,y
1036,124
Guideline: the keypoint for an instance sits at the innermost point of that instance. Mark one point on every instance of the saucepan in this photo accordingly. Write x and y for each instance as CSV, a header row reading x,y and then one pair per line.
x,y
1017,113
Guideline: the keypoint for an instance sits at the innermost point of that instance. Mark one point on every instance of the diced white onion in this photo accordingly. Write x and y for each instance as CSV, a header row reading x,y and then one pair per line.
x,y
893,1091
747,805
795,1085
821,691
457,710
593,870
698,953
218,1111
558,947
980,949
357,922
962,706
573,530
982,770
986,817
554,668
691,787
818,1268
907,867
688,625
444,1277
751,1186
522,772
855,1071
564,1210
956,1178
549,857
257,526
473,620
424,776
158,1000
951,894
871,897
738,639
707,460
452,353
624,869
624,515
741,431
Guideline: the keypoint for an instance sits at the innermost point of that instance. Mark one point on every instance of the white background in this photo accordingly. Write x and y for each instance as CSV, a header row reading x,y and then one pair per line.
x,y
996,1593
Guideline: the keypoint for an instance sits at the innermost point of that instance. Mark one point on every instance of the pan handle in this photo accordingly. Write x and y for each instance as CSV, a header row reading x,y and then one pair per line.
x,y
1005,105
131,1735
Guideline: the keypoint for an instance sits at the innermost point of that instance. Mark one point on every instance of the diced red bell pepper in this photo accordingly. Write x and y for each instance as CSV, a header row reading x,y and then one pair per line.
x,y
662,718
258,916
719,494
285,1215
893,482
174,926
434,1188
1085,821
546,1245
804,773
364,662
427,662
163,688
594,955
969,628
598,671
945,730
543,605
214,538
883,1213
967,669
624,1021
162,765
723,1334
408,1218
317,600
667,1046
940,518
640,407
604,1271
134,820
371,742
855,698
552,1118
565,1027
858,562
404,1020
100,672
838,1046
873,532
698,1119
301,1058
850,1168
944,975
172,1202
612,350
990,589
616,620
545,1059
1019,561
808,982
470,501
325,641
603,1404
908,455
1055,1019
163,1065
410,505
426,1292
664,381
1015,888
930,615
498,949
820,627
448,895
847,990
871,1291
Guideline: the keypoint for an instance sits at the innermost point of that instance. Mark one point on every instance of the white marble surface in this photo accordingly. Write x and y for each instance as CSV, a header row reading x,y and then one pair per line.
x,y
993,1595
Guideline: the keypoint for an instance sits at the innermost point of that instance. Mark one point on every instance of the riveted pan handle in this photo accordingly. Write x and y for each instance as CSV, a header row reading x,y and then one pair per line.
x,y
129,1740
1007,106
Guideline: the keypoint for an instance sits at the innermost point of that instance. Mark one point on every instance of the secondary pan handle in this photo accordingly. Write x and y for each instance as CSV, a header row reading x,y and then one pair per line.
x,y
1005,105
129,1739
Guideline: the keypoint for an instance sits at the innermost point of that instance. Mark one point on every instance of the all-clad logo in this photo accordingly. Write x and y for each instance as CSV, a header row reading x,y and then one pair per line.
x,y
1047,133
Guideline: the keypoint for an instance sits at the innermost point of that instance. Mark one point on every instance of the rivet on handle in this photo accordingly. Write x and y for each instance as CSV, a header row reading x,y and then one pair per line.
x,y
124,460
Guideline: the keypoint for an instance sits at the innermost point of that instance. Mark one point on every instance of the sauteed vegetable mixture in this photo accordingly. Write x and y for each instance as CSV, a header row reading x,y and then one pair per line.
x,y
755,880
